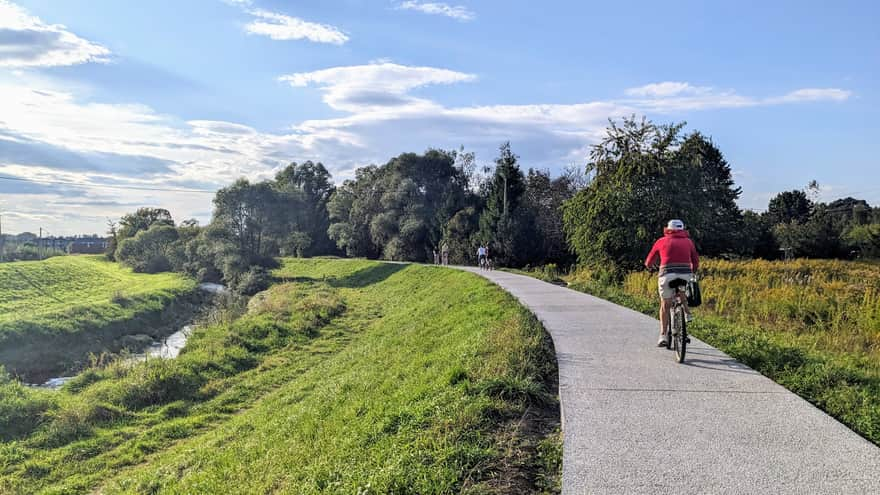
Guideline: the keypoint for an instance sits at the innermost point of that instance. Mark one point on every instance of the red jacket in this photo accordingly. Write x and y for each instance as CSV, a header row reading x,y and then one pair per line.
x,y
676,253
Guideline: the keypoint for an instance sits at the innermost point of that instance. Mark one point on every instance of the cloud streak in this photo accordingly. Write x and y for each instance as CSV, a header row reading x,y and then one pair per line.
x,y
283,27
457,12
669,97
26,41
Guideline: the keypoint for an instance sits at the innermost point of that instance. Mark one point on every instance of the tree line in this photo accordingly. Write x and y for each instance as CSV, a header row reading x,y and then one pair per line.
x,y
606,214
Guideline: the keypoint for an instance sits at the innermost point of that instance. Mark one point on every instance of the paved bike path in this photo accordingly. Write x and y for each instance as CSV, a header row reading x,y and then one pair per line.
x,y
635,421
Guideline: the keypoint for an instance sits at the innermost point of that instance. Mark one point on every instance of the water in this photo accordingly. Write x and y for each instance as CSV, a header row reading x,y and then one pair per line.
x,y
212,288
168,348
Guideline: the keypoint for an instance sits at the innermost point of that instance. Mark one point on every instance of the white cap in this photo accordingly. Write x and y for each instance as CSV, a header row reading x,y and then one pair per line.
x,y
675,225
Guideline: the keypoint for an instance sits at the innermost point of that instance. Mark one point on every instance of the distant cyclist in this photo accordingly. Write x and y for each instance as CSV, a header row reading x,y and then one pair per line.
x,y
678,259
481,256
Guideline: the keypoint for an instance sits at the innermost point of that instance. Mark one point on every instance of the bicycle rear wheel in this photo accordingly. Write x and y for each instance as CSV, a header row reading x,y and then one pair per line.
x,y
679,337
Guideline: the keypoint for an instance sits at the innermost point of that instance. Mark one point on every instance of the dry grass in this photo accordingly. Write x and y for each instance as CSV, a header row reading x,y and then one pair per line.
x,y
832,305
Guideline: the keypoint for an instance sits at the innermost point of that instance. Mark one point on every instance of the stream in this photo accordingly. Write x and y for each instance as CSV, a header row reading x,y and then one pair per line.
x,y
168,348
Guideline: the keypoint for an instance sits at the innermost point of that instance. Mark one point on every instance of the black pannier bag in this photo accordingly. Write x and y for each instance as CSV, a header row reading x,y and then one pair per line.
x,y
694,296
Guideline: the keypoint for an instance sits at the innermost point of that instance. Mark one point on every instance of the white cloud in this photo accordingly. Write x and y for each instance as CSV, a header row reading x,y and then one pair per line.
x,y
813,94
376,86
666,89
457,12
670,97
284,27
26,41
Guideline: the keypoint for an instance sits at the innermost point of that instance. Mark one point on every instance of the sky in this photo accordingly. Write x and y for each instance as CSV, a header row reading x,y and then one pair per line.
x,y
107,106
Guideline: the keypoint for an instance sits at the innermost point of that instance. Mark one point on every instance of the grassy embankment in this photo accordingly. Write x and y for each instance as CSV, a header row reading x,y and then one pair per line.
x,y
811,325
344,377
53,313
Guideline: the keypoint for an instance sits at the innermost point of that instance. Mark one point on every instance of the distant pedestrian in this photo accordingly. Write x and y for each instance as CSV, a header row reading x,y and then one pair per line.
x,y
445,253
436,257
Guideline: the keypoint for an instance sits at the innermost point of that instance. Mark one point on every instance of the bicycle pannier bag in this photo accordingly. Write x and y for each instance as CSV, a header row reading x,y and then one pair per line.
x,y
694,297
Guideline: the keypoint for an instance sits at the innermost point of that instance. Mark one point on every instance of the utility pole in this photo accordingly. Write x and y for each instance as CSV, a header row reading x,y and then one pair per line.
x,y
40,244
2,240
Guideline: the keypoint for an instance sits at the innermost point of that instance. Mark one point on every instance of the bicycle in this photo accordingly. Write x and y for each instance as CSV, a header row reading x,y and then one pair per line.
x,y
484,263
678,321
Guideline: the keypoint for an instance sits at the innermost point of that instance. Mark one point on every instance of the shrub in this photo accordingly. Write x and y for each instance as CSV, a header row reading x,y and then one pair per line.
x,y
255,279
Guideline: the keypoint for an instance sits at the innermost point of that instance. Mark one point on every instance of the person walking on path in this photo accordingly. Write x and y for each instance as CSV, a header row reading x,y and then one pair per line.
x,y
445,254
678,260
436,257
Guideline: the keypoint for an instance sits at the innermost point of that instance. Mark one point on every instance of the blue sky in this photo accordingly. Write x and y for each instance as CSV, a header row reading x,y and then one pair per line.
x,y
192,95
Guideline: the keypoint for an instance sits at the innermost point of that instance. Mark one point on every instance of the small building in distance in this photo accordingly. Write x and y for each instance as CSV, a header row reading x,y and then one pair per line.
x,y
80,244
87,245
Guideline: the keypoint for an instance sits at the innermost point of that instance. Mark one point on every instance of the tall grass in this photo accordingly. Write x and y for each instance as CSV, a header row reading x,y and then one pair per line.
x,y
811,325
833,305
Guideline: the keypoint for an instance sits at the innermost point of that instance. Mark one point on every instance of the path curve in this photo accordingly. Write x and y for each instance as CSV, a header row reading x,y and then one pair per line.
x,y
742,432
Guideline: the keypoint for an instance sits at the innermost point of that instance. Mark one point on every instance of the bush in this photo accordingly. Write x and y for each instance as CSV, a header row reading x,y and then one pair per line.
x,y
255,279
149,250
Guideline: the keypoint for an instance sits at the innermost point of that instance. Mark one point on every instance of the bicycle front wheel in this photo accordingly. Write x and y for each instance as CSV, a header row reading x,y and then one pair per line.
x,y
679,337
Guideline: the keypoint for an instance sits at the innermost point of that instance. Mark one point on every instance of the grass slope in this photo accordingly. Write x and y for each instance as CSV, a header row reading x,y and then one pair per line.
x,y
55,311
811,325
346,376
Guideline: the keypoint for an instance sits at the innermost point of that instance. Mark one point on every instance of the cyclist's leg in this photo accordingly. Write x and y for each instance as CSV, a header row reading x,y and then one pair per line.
x,y
664,315
666,299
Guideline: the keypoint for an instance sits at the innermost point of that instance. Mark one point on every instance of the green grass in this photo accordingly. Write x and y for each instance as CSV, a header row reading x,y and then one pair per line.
x,y
54,312
346,376
834,366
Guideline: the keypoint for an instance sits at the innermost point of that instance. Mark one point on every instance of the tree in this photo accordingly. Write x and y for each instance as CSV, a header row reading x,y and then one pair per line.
x,y
351,209
461,236
757,237
865,239
851,210
113,241
143,219
247,214
307,189
705,196
642,175
817,237
789,206
544,198
150,250
398,211
139,221
506,223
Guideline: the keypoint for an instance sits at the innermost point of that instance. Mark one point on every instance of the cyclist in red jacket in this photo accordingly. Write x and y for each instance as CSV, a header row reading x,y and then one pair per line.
x,y
678,259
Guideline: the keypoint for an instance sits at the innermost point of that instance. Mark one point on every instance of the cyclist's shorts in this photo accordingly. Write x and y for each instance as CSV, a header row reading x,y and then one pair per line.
x,y
666,292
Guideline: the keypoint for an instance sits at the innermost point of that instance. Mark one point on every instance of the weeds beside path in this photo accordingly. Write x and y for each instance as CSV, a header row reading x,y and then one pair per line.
x,y
812,326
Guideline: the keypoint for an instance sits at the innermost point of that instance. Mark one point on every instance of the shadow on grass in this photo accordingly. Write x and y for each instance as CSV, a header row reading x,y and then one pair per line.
x,y
361,278
368,276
